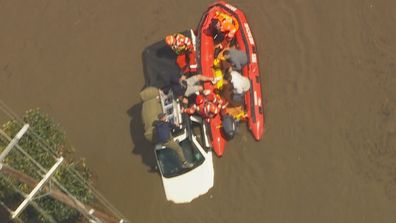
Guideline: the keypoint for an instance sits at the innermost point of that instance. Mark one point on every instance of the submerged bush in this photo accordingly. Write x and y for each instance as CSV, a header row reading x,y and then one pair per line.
x,y
44,135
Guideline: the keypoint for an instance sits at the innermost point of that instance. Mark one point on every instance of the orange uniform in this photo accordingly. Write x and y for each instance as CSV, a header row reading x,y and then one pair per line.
x,y
228,24
187,62
207,106
184,48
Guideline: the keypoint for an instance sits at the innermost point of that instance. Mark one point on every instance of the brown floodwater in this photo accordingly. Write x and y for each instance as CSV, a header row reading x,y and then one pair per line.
x,y
329,82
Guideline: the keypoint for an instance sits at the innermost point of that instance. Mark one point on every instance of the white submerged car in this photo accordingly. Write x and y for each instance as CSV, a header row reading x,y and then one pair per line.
x,y
182,185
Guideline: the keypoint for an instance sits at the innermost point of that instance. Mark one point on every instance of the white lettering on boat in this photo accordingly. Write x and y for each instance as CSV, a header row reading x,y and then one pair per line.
x,y
254,58
231,7
255,98
249,34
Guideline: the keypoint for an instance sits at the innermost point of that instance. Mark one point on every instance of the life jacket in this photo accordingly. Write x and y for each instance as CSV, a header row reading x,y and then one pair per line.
x,y
183,47
187,62
209,110
228,24
218,74
207,106
216,99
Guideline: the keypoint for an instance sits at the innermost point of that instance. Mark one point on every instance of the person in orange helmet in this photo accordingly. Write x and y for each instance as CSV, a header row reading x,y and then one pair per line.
x,y
225,26
184,48
206,110
179,43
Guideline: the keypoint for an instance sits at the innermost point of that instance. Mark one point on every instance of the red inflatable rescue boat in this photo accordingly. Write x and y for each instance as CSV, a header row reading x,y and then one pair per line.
x,y
205,58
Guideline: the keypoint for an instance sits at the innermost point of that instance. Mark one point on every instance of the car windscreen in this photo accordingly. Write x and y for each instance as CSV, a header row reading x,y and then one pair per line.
x,y
170,164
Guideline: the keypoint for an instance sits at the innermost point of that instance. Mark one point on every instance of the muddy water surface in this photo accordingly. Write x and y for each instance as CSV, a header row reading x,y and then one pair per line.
x,y
328,69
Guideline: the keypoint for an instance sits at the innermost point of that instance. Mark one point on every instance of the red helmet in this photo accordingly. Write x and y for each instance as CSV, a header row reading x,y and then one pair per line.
x,y
211,97
170,40
200,99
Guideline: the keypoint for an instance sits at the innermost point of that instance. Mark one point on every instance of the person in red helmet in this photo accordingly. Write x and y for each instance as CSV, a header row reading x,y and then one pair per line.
x,y
199,100
207,105
215,98
206,110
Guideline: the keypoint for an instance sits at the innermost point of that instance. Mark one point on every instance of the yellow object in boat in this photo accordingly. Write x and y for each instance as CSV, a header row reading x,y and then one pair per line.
x,y
218,74
236,112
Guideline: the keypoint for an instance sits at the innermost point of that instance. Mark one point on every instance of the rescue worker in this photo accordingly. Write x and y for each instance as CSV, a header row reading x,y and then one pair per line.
x,y
207,105
215,98
179,43
225,26
184,48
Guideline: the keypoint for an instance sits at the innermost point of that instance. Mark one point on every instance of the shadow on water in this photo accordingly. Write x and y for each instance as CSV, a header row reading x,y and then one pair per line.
x,y
142,147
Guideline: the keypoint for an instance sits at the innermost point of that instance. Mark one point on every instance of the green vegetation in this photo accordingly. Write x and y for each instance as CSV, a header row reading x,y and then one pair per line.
x,y
52,137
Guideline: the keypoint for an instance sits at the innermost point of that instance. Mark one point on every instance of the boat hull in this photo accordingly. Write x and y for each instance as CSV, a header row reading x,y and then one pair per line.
x,y
246,43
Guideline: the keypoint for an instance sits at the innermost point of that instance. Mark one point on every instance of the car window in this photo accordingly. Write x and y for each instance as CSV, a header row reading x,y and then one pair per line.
x,y
191,152
170,164
198,132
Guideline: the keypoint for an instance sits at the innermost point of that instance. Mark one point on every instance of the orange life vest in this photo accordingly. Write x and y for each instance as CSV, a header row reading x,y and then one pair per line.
x,y
187,62
228,24
207,106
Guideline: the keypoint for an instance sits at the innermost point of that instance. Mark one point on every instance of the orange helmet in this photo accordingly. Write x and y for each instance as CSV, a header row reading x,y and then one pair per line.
x,y
170,40
200,99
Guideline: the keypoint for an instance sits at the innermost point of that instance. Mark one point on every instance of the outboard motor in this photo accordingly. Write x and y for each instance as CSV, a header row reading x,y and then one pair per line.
x,y
228,126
